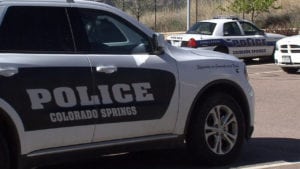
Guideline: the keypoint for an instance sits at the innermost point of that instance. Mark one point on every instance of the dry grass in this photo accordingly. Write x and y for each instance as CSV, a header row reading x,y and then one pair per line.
x,y
286,17
175,20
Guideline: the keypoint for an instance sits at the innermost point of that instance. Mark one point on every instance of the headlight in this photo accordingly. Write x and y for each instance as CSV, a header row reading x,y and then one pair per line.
x,y
276,46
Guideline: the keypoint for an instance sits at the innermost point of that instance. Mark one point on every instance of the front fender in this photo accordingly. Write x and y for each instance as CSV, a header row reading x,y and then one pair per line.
x,y
15,119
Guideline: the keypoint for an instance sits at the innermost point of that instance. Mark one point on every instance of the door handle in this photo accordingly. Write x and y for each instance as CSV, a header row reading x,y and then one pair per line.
x,y
106,69
8,71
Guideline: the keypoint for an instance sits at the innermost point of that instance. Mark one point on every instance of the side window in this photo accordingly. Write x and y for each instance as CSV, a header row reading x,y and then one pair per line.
x,y
249,28
36,29
103,33
203,28
231,29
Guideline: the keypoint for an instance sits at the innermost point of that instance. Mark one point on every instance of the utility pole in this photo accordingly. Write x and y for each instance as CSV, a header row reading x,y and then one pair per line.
x,y
188,14
155,6
196,10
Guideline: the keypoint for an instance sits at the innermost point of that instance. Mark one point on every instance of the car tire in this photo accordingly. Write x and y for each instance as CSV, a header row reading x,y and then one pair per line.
x,y
4,153
222,49
217,132
290,70
248,60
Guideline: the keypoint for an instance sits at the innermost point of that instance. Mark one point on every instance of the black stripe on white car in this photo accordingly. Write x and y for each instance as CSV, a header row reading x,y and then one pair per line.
x,y
50,98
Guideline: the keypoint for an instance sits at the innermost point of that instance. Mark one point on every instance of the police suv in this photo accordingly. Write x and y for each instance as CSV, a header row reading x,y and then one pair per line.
x,y
79,78
230,35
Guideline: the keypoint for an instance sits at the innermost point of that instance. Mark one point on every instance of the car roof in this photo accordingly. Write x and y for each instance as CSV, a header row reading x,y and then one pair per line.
x,y
50,2
218,20
20,1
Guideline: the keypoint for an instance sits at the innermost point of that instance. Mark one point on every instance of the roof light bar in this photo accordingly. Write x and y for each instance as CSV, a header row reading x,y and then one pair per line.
x,y
226,17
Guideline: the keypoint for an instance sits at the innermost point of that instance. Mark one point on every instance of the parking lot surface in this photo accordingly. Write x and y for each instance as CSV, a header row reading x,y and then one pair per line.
x,y
276,139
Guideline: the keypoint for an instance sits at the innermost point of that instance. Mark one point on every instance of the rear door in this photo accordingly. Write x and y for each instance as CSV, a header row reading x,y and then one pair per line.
x,y
138,90
42,79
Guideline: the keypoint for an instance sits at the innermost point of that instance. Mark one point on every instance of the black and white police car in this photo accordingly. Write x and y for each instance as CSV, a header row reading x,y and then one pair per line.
x,y
229,35
287,54
82,78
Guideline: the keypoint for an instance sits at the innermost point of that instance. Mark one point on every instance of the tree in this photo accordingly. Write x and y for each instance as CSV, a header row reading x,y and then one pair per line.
x,y
138,7
240,6
252,7
105,1
120,4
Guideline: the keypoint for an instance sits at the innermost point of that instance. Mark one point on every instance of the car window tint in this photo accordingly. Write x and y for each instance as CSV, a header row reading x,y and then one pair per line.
x,y
107,34
36,29
203,28
249,28
231,29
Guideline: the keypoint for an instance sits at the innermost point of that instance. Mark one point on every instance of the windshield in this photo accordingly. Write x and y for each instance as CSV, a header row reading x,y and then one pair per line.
x,y
203,28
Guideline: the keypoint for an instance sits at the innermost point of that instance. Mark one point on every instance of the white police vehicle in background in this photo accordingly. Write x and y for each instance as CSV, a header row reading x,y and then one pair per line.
x,y
82,78
228,35
287,54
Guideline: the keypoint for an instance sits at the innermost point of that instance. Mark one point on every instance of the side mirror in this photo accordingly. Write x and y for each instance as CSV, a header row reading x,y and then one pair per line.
x,y
158,42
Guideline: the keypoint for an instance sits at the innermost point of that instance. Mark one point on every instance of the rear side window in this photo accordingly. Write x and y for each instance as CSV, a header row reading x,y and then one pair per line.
x,y
36,29
203,28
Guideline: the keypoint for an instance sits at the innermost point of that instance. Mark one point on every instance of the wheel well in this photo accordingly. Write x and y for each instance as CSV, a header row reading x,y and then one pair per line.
x,y
225,87
9,131
222,49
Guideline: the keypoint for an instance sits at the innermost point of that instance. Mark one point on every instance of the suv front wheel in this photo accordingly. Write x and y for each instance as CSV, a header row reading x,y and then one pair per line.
x,y
217,131
4,153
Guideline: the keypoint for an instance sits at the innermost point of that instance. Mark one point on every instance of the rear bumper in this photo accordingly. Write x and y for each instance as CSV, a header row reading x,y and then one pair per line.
x,y
293,65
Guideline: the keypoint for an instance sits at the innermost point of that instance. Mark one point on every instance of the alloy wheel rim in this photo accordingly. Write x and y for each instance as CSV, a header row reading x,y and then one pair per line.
x,y
221,129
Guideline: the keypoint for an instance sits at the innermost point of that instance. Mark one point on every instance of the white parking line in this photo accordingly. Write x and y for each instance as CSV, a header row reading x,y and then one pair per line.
x,y
275,166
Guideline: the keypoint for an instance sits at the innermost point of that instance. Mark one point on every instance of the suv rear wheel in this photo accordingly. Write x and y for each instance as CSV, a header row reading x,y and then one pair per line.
x,y
217,133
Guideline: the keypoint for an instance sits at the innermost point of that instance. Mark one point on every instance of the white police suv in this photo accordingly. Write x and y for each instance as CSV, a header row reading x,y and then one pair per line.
x,y
230,35
287,54
82,78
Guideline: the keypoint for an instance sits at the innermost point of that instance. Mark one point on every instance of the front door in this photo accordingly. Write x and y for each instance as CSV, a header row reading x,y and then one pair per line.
x,y
138,90
256,40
